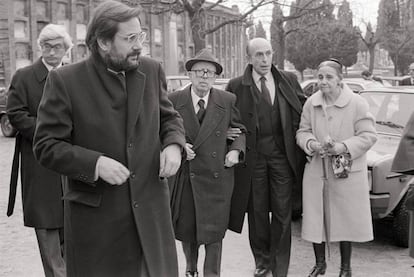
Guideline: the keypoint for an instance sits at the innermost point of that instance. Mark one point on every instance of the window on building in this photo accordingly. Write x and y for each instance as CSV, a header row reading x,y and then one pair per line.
x,y
42,10
20,29
62,12
20,8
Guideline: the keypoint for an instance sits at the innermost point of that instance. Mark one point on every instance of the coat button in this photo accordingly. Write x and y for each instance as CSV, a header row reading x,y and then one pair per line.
x,y
214,154
130,145
247,148
218,133
135,204
216,175
132,175
192,175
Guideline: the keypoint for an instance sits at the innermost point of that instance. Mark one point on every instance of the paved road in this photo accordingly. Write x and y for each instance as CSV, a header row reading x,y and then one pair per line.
x,y
19,253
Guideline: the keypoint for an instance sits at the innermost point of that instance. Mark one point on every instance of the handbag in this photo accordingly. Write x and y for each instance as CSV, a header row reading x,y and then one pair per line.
x,y
341,165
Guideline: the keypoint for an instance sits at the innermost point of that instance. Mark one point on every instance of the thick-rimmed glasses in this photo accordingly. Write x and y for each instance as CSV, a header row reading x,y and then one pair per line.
x,y
134,38
48,47
202,72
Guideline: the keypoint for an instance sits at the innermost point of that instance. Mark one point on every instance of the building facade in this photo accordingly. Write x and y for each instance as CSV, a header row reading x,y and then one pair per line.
x,y
168,34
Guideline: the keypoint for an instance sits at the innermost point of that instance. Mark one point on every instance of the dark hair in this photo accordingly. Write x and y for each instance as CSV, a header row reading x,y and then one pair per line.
x,y
366,73
105,20
334,63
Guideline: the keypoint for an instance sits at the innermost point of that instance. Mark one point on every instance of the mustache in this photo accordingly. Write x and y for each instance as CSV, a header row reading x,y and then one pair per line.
x,y
134,53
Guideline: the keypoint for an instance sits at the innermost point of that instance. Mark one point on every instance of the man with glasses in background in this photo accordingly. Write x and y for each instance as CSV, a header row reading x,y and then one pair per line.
x,y
270,102
410,80
202,189
107,124
41,187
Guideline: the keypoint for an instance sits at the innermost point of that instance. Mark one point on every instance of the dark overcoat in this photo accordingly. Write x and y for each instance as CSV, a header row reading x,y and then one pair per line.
x,y
86,111
290,100
211,182
404,157
41,187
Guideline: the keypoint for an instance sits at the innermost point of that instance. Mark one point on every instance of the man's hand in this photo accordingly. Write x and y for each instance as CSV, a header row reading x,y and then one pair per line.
x,y
232,158
170,160
233,133
190,152
111,171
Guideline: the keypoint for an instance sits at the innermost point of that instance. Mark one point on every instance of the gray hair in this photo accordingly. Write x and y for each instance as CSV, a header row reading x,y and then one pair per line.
x,y
54,31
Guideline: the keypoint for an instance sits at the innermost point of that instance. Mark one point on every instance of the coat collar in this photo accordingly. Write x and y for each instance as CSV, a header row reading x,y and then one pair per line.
x,y
40,70
135,85
343,99
286,90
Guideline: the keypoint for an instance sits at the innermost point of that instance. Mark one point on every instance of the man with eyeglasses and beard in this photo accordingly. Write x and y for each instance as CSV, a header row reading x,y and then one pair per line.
x,y
202,188
41,188
107,124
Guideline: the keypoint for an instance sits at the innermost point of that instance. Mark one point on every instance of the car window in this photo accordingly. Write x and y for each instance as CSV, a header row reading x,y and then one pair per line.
x,y
391,110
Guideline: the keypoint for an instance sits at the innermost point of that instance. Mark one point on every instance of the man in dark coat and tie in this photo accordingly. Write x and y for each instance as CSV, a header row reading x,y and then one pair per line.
x,y
203,186
410,80
107,124
41,187
270,102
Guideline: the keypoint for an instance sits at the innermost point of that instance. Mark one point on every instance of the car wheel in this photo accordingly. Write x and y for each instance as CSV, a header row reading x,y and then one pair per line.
x,y
401,223
6,128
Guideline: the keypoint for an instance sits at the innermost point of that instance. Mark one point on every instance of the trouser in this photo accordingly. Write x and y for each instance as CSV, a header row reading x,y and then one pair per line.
x,y
50,243
212,261
270,239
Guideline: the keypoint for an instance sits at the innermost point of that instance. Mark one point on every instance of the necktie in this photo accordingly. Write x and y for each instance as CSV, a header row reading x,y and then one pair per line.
x,y
201,112
265,90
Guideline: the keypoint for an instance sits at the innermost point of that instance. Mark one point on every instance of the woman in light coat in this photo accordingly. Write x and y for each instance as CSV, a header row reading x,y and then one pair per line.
x,y
335,121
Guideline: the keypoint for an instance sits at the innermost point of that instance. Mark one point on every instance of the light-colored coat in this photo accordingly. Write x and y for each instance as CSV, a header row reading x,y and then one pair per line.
x,y
350,122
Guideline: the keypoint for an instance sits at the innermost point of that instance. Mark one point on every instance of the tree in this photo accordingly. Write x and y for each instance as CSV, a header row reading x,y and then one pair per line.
x,y
280,28
396,31
196,11
370,41
260,31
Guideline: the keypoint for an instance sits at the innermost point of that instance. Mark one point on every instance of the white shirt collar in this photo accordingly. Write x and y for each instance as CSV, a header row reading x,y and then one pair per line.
x,y
195,98
48,66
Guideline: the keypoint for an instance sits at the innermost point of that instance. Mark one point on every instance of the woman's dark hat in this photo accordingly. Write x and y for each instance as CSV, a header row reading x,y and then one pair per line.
x,y
204,56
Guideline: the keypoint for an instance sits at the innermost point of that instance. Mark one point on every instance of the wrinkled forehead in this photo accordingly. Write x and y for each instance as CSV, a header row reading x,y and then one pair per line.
x,y
327,70
259,46
54,41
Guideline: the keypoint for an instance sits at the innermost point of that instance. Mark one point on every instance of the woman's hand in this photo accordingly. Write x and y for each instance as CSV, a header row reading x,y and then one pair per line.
x,y
190,152
336,148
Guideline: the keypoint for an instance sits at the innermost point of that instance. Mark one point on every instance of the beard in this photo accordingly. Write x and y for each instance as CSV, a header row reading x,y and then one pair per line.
x,y
118,63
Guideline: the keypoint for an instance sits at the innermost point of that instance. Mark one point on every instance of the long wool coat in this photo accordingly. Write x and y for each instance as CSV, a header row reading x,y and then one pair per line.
x,y
211,183
41,187
350,122
290,101
86,112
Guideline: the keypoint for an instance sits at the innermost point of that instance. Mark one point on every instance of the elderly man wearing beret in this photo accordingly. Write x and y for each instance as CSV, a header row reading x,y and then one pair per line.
x,y
202,189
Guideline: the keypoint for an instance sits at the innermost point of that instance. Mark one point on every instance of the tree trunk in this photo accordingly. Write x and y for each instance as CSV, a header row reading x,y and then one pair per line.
x,y
197,31
280,57
371,51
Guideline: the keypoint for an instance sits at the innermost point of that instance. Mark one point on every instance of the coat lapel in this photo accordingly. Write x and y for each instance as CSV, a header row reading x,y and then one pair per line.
x,y
186,109
287,91
135,85
214,114
40,70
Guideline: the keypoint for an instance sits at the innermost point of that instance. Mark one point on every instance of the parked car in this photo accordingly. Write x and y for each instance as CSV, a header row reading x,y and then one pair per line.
x,y
391,108
310,86
395,80
176,81
6,128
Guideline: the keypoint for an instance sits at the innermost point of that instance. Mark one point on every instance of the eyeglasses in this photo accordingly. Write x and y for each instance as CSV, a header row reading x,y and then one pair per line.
x,y
202,72
48,47
134,38
261,55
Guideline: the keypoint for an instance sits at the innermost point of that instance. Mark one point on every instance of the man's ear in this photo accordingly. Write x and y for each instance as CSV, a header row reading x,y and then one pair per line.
x,y
104,44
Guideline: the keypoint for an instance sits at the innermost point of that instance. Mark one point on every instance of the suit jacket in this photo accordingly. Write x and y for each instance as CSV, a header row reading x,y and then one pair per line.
x,y
41,187
290,101
211,182
87,112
